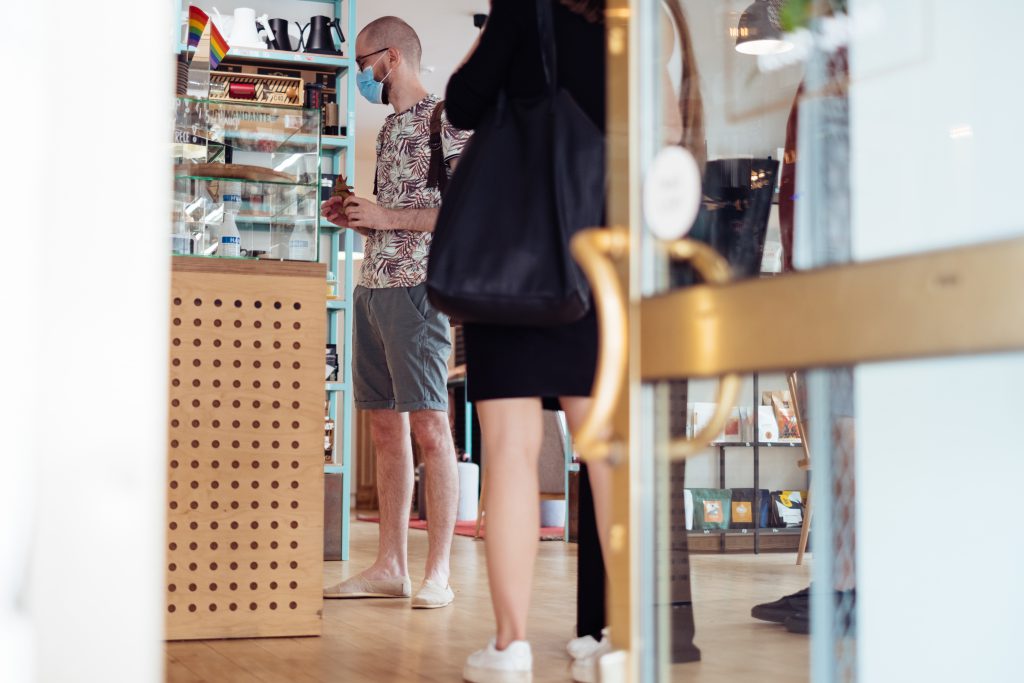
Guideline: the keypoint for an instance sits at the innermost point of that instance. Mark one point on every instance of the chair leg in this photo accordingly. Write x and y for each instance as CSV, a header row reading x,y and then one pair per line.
x,y
480,507
805,531
804,464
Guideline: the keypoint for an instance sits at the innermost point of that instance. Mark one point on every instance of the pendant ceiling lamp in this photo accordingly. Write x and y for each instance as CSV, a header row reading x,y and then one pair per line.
x,y
758,32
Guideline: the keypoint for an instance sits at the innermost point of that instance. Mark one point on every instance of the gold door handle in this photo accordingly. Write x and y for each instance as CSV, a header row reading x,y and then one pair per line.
x,y
594,249
715,271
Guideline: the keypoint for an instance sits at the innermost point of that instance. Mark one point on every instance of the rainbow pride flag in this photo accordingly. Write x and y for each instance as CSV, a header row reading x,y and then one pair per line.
x,y
197,20
218,47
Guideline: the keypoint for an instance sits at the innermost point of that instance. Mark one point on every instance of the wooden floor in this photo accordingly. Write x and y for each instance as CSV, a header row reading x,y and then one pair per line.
x,y
384,640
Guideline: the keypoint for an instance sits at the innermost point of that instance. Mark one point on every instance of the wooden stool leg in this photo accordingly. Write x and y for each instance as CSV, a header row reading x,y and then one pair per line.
x,y
804,464
805,531
480,506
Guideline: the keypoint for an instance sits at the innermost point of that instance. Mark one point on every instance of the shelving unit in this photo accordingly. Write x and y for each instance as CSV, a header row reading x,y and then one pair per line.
x,y
339,311
463,408
757,532
336,153
293,60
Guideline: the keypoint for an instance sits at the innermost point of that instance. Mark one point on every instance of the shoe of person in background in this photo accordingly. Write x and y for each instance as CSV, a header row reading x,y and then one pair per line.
x,y
432,595
798,622
584,669
360,587
514,664
778,611
583,646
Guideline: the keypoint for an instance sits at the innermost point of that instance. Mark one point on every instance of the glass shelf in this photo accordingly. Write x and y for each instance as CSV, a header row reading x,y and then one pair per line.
x,y
280,183
267,124
335,142
759,444
268,156
283,141
283,58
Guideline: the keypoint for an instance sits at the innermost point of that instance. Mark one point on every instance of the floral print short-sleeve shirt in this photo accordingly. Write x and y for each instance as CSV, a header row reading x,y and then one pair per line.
x,y
398,258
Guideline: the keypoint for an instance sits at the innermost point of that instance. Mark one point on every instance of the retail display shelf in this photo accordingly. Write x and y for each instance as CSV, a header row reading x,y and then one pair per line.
x,y
574,467
267,220
760,444
331,142
755,446
216,257
335,142
283,183
289,134
283,58
788,531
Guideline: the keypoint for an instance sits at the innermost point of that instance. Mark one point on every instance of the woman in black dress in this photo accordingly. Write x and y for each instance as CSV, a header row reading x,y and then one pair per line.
x,y
514,371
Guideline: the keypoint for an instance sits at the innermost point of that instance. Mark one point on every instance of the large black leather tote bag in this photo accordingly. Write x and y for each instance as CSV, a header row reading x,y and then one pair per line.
x,y
531,177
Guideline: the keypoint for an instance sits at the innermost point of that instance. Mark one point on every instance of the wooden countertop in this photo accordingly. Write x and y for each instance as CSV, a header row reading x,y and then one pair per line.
x,y
192,264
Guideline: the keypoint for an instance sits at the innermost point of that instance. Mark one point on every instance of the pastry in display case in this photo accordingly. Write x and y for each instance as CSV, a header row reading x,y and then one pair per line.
x,y
246,180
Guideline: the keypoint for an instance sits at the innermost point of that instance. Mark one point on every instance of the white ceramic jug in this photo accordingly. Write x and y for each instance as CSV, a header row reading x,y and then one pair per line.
x,y
243,31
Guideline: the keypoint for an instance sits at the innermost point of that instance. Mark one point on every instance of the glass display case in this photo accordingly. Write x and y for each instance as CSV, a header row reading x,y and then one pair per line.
x,y
246,180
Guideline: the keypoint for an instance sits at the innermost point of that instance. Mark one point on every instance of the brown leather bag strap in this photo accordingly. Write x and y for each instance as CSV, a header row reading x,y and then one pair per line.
x,y
437,175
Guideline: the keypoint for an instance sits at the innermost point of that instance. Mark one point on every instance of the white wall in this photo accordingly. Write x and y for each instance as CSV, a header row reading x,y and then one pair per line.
x,y
745,109
84,361
939,568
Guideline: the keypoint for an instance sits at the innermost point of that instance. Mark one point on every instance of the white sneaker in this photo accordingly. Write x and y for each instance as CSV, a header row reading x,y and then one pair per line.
x,y
584,669
432,595
581,647
514,664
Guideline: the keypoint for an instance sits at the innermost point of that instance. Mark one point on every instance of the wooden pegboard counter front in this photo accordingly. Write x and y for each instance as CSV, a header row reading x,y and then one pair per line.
x,y
245,452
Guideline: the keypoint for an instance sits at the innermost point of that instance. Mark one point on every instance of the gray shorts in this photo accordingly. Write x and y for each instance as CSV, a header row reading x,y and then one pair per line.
x,y
400,350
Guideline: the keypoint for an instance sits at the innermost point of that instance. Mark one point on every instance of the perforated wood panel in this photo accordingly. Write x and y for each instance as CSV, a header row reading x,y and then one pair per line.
x,y
245,474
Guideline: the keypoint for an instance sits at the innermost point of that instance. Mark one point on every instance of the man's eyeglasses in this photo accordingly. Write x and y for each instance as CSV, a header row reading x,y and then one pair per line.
x,y
359,60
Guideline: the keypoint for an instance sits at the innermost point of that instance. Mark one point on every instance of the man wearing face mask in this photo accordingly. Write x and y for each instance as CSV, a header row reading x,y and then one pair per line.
x,y
401,343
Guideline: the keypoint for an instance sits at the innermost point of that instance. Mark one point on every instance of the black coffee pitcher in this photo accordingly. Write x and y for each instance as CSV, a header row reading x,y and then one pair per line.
x,y
281,39
320,39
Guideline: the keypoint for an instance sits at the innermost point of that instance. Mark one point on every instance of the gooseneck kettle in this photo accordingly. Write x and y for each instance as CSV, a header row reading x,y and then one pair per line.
x,y
320,40
281,39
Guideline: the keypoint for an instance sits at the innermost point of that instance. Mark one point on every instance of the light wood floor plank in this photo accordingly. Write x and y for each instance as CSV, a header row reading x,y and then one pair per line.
x,y
205,662
179,673
384,640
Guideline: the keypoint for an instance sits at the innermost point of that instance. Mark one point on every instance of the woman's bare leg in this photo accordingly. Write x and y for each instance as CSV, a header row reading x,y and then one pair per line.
x,y
511,430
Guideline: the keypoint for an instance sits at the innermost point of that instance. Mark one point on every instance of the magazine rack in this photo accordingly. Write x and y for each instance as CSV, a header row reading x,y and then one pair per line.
x,y
758,532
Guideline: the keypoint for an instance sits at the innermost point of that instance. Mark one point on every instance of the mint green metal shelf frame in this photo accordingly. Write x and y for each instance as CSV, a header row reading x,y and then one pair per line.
x,y
339,394
288,59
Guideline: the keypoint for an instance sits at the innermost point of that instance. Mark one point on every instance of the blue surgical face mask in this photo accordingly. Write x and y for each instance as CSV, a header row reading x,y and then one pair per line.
x,y
369,87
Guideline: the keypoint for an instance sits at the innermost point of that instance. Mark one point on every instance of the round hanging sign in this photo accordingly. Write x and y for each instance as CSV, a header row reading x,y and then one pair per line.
x,y
672,193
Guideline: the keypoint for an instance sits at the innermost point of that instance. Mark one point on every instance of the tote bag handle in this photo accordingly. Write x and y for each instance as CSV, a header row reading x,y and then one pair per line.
x,y
548,52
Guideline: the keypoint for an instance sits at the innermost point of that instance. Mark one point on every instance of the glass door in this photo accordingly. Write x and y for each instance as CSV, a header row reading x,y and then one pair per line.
x,y
812,322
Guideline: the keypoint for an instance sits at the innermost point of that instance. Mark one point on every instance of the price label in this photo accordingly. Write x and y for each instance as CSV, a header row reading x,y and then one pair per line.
x,y
184,137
